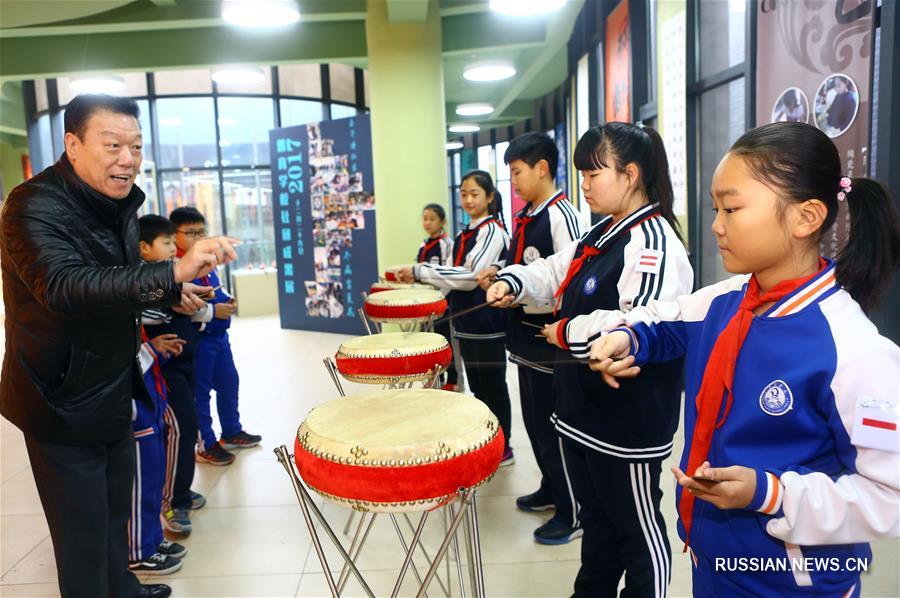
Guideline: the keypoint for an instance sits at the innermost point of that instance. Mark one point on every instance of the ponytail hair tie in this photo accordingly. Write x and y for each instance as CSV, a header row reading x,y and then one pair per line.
x,y
846,187
639,124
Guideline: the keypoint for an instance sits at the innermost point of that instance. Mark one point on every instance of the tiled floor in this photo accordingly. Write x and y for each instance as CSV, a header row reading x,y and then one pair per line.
x,y
250,540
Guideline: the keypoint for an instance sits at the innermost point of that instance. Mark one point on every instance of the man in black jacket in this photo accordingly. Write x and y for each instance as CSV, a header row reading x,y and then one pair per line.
x,y
74,287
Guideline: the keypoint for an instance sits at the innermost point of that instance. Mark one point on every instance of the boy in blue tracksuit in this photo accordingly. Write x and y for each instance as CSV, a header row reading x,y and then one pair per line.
x,y
214,367
149,552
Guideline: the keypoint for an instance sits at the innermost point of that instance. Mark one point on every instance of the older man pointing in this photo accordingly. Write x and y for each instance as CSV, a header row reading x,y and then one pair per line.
x,y
74,287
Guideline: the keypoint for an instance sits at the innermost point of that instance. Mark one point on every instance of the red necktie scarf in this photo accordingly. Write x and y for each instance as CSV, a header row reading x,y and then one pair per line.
x,y
158,379
718,377
464,236
429,246
589,252
521,223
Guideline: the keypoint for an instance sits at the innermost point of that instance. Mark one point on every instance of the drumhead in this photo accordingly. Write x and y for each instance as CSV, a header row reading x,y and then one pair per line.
x,y
399,425
393,344
402,297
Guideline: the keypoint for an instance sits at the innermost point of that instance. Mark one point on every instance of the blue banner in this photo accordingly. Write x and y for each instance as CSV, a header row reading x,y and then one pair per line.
x,y
324,215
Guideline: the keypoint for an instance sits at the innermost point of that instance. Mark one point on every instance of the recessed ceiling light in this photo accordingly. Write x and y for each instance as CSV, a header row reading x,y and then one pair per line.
x,y
464,128
238,75
489,71
98,84
171,121
526,7
257,15
474,109
453,145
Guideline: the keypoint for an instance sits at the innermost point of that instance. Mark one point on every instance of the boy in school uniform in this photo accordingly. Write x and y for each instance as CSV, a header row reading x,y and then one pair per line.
x,y
157,243
214,367
546,224
149,553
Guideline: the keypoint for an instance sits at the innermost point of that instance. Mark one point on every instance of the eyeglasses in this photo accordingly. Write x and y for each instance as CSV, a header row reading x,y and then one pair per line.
x,y
193,234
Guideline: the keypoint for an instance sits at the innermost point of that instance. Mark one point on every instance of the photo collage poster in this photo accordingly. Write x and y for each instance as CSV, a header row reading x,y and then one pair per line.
x,y
324,209
824,77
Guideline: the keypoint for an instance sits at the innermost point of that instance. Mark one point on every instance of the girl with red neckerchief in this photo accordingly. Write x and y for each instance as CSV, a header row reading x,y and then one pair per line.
x,y
790,465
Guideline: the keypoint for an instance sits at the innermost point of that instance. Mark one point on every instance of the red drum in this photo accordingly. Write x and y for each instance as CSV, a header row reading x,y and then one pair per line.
x,y
398,450
393,357
405,306
387,285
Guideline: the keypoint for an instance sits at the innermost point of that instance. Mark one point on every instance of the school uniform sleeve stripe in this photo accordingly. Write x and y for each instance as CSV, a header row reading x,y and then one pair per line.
x,y
446,251
863,503
657,222
489,245
541,278
637,286
563,225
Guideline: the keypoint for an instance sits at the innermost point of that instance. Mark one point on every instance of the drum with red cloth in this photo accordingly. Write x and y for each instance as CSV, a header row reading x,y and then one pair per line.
x,y
387,285
405,306
398,450
393,357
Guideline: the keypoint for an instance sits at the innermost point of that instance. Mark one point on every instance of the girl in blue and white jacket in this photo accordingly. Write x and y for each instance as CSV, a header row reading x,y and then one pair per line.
x,y
792,453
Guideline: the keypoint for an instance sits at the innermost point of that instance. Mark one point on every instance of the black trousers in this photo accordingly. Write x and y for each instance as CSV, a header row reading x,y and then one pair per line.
x,y
485,361
624,531
444,330
181,439
538,404
86,495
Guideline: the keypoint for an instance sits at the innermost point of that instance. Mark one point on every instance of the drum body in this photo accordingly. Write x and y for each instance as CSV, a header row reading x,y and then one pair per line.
x,y
393,357
398,450
405,306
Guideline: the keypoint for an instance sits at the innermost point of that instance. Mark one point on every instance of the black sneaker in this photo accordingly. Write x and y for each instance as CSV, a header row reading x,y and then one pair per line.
x,y
169,548
215,455
155,590
556,532
157,564
198,501
534,502
241,440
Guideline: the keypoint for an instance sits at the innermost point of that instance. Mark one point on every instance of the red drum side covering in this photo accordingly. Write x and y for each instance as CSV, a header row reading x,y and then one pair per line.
x,y
387,484
404,312
404,365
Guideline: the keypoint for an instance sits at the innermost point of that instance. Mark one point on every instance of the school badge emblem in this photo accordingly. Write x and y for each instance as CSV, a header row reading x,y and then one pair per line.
x,y
776,398
590,285
530,254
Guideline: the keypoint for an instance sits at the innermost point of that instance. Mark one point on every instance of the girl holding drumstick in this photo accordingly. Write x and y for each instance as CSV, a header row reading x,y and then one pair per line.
x,y
480,333
791,410
613,440
437,249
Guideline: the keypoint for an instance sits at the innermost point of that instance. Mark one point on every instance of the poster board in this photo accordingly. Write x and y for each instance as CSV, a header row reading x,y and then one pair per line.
x,y
324,217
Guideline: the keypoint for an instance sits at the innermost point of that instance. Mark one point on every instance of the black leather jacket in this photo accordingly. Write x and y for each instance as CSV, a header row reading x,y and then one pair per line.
x,y
74,287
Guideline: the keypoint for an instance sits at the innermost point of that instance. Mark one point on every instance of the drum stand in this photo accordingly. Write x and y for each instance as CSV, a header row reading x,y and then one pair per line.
x,y
456,515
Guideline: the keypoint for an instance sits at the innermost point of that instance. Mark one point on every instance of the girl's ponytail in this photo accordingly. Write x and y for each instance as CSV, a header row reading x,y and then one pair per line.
x,y
872,251
658,182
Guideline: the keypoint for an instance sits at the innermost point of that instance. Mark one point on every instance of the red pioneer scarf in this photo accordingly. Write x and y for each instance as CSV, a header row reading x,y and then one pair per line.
x,y
719,375
521,223
429,246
